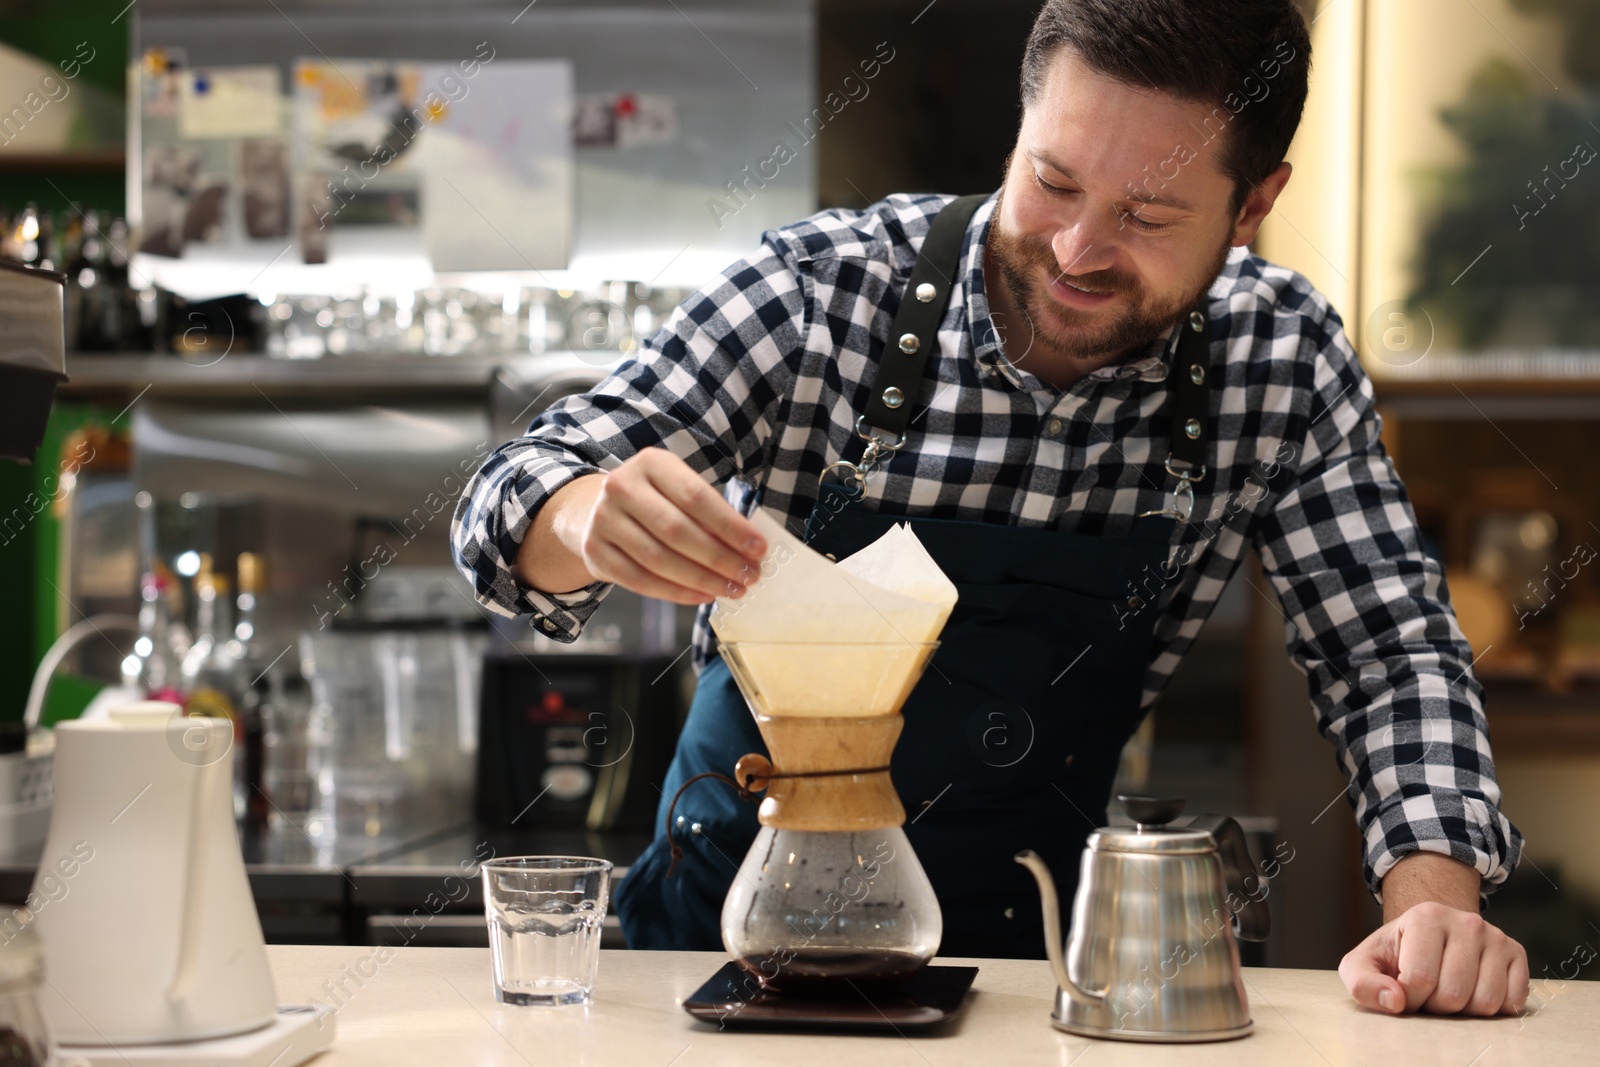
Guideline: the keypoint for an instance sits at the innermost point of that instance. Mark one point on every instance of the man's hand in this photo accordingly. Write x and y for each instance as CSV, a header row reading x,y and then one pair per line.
x,y
1435,953
652,525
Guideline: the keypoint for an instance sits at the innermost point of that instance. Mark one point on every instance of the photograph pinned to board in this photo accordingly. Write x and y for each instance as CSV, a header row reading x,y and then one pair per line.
x,y
213,164
468,163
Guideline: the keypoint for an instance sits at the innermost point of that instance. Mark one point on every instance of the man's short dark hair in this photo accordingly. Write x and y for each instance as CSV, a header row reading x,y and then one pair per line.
x,y
1248,59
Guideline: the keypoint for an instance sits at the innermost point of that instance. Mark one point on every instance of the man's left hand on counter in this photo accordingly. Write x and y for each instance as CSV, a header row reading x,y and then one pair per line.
x,y
1434,951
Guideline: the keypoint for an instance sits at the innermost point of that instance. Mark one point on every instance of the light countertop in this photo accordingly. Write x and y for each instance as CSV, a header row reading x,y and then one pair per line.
x,y
435,1006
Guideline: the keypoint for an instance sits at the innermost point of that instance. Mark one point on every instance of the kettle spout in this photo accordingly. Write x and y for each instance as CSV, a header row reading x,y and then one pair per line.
x,y
1051,904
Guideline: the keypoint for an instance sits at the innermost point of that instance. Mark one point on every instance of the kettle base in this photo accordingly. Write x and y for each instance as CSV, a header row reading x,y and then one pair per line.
x,y
1153,1036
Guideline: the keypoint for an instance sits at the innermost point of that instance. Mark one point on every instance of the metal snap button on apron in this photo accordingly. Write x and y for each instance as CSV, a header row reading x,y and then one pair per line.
x,y
926,292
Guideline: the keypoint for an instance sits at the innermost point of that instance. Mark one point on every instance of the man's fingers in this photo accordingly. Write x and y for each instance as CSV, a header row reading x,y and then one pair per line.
x,y
1489,995
662,560
1459,965
681,533
678,482
1367,972
1516,983
1420,956
1438,959
610,564
1378,992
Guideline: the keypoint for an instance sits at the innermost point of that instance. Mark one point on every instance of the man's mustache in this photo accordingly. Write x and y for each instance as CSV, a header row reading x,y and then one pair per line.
x,y
1100,281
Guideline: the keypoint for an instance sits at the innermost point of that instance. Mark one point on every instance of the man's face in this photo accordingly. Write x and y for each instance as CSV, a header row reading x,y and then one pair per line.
x,y
1100,254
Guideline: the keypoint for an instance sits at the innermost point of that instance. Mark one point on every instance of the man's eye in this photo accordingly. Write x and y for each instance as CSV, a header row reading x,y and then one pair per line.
x,y
1143,224
1053,190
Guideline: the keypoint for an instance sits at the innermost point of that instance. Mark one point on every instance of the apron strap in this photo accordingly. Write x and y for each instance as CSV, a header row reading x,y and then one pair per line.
x,y
914,336
1192,409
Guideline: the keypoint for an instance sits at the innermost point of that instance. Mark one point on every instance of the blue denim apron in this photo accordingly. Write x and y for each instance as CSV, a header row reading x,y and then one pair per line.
x,y
1012,737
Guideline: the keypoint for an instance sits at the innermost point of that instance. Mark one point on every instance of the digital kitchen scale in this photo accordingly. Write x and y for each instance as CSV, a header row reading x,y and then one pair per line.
x,y
933,996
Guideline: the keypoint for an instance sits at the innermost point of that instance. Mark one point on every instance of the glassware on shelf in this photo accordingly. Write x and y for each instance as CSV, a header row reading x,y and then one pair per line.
x,y
393,727
603,323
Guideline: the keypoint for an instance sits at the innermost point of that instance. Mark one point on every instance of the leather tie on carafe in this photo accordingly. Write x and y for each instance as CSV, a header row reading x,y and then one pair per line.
x,y
756,771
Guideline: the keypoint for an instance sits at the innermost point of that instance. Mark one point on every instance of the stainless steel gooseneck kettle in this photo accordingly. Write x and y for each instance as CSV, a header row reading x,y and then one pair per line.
x,y
1152,955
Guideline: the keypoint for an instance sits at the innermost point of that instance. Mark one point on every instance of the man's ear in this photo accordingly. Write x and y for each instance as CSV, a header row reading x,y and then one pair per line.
x,y
1258,204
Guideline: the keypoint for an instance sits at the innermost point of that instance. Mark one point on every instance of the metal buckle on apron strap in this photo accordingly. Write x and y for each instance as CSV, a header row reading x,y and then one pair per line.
x,y
1190,409
855,482
1182,497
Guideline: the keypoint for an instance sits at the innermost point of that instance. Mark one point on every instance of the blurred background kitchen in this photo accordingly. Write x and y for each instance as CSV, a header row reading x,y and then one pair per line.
x,y
322,255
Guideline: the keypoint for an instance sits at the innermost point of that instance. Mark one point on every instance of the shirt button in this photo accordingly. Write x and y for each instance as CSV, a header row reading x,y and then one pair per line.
x,y
1052,428
548,626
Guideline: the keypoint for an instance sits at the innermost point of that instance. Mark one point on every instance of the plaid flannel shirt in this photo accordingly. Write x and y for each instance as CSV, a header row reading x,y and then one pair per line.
x,y
756,381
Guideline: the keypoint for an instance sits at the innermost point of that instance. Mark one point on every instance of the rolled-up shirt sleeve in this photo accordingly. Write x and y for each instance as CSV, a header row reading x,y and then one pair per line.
x,y
1368,619
704,387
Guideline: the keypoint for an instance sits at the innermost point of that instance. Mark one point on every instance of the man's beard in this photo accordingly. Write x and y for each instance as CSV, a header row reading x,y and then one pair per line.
x,y
1026,265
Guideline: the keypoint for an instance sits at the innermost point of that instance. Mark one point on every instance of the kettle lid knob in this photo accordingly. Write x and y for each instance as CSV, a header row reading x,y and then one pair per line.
x,y
1151,811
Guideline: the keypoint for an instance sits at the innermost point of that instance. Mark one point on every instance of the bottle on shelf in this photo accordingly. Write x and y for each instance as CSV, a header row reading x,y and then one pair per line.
x,y
49,246
123,328
212,672
154,665
25,235
256,697
73,265
94,288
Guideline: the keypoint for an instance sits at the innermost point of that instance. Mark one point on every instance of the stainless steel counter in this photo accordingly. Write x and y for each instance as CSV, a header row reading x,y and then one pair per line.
x,y
363,891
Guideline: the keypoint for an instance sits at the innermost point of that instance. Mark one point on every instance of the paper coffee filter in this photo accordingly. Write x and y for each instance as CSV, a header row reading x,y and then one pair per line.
x,y
864,616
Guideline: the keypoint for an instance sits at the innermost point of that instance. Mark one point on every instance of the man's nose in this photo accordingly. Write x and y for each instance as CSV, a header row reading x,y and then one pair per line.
x,y
1086,244
1088,240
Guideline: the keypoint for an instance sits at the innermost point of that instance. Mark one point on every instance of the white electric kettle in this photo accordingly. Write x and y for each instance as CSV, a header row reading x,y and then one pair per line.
x,y
150,933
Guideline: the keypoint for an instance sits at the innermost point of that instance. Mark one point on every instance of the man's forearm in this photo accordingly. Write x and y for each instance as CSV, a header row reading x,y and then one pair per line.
x,y
1420,877
550,558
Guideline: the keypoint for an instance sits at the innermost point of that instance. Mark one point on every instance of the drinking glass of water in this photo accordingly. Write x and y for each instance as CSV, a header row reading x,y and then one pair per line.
x,y
544,917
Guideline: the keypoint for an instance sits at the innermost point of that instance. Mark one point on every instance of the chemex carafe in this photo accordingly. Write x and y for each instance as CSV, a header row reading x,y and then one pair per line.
x,y
831,895
1153,954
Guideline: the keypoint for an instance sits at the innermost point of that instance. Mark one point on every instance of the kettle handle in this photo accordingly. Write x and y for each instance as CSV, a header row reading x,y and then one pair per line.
x,y
1252,922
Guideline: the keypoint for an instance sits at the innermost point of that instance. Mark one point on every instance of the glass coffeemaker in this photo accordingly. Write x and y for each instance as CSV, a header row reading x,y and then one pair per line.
x,y
830,895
